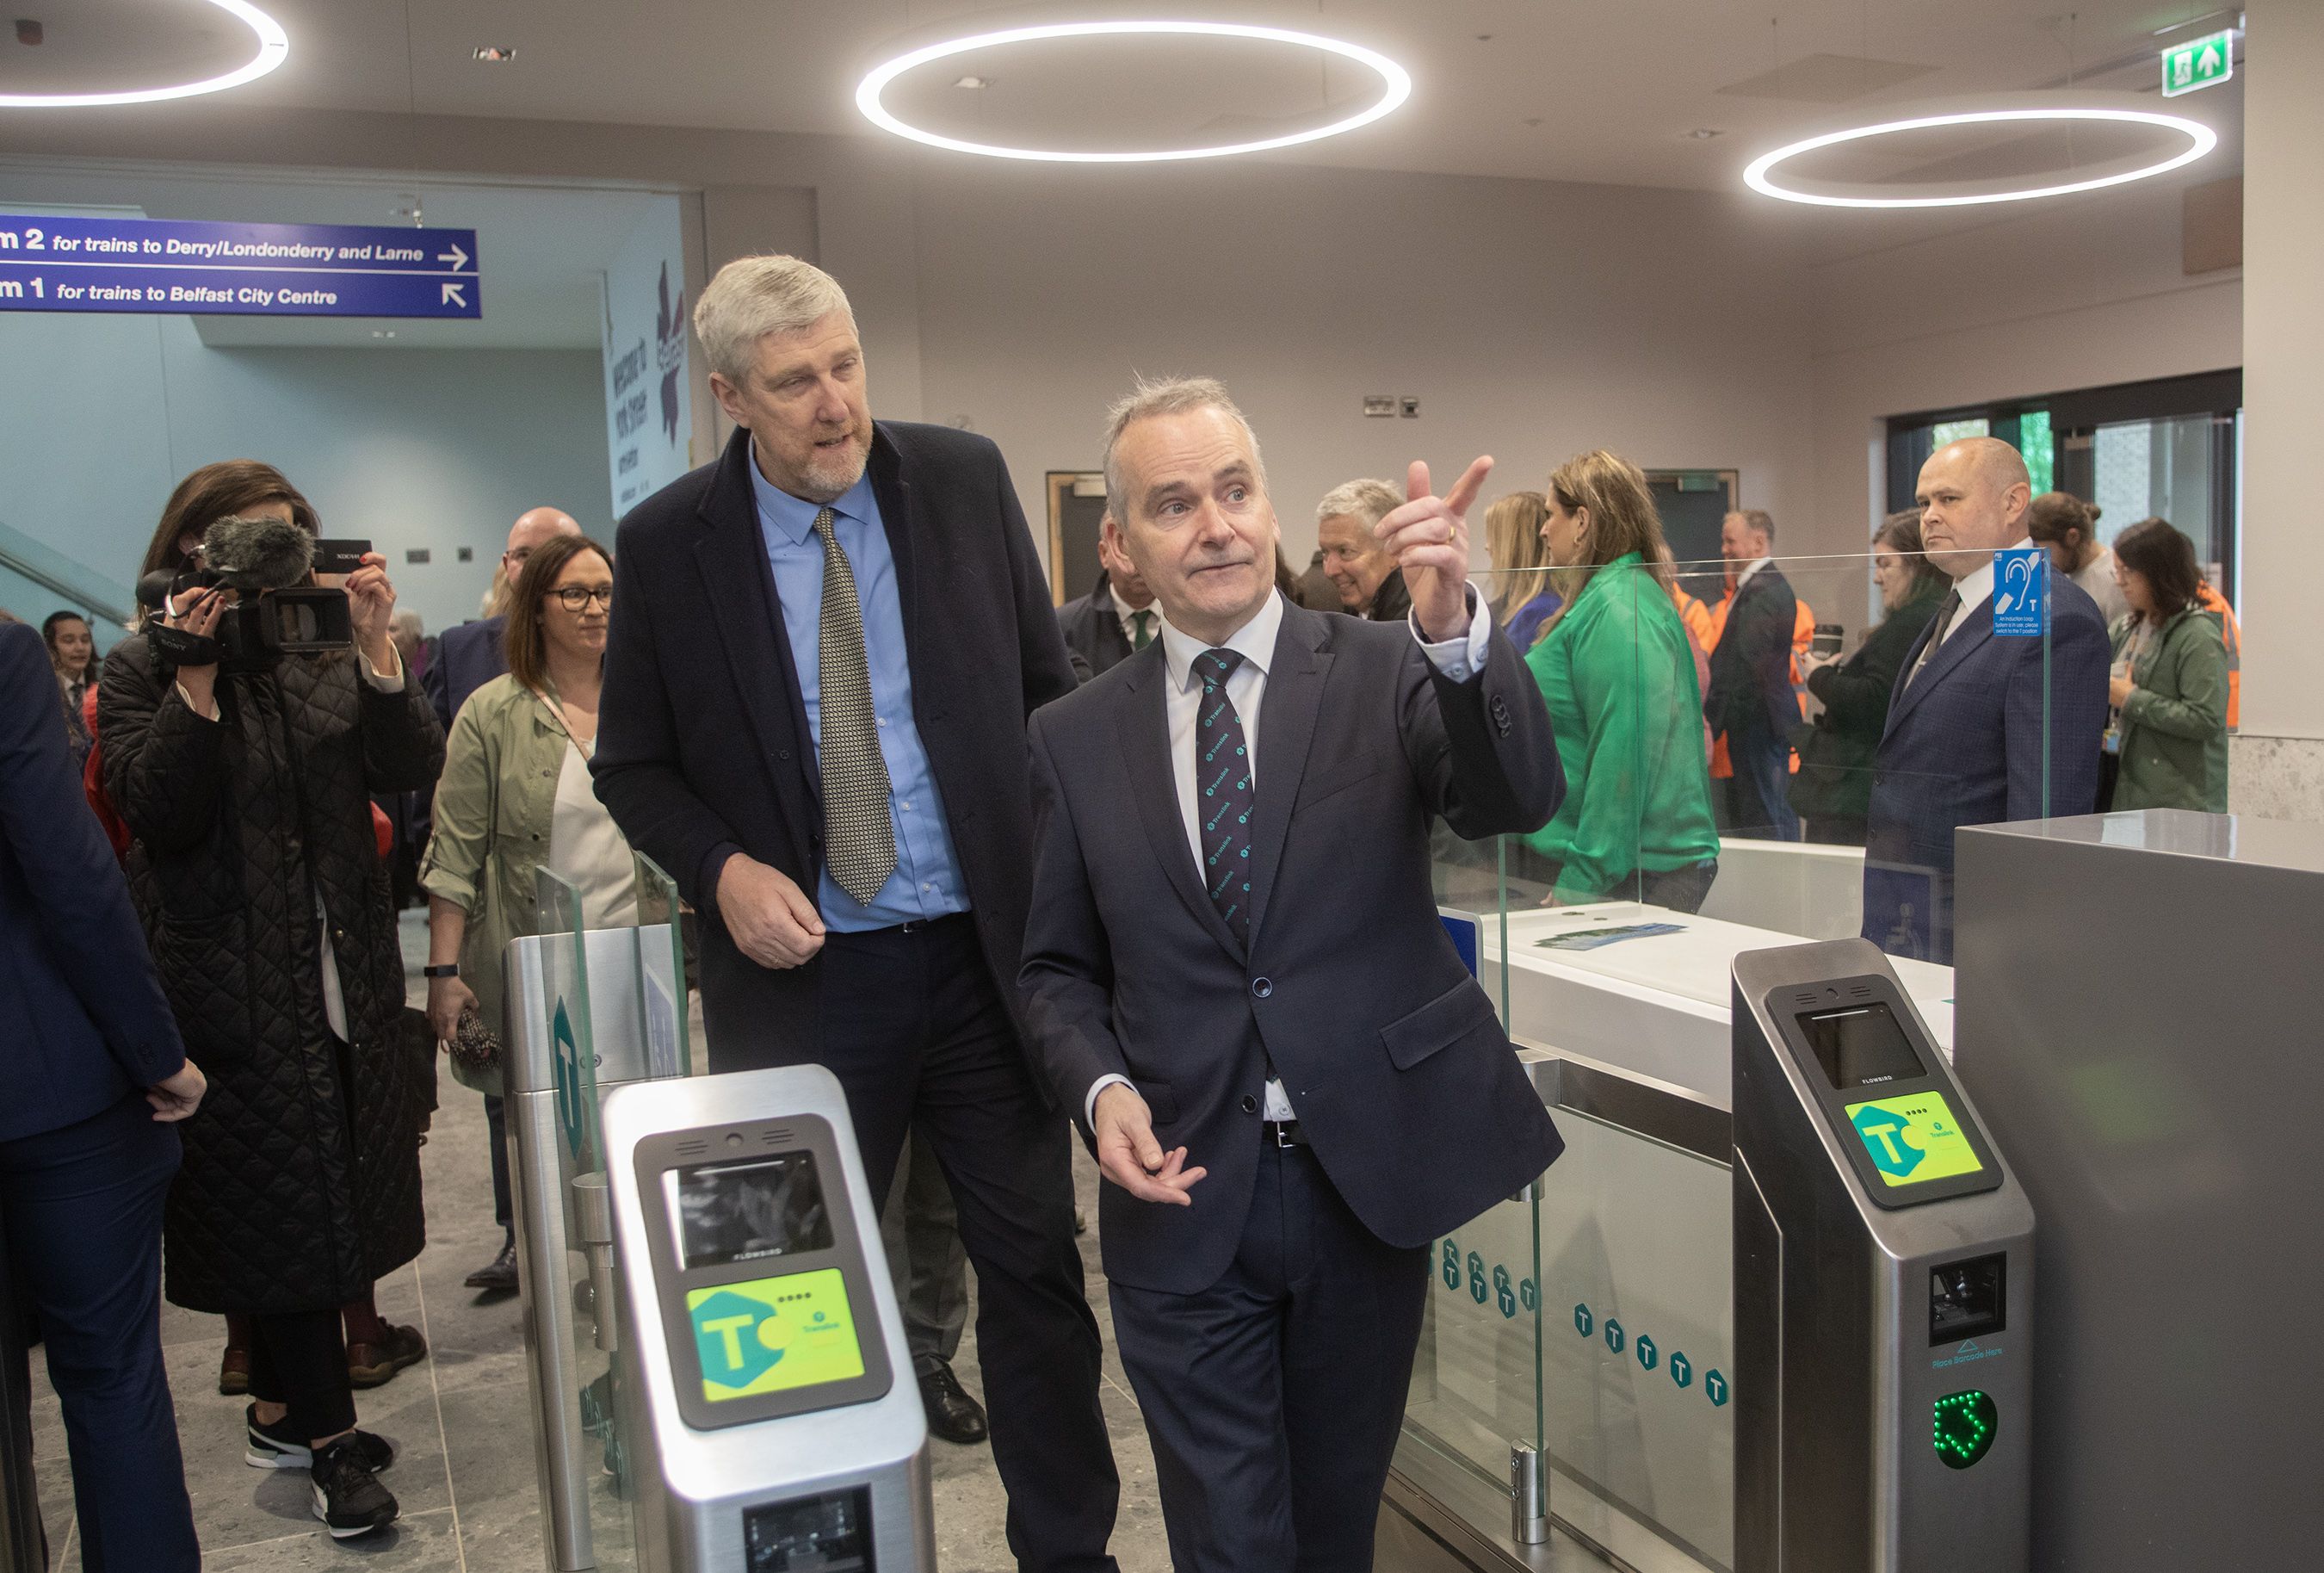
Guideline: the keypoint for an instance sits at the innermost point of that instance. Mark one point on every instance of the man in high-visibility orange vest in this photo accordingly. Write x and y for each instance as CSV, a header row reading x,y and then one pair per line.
x,y
2231,633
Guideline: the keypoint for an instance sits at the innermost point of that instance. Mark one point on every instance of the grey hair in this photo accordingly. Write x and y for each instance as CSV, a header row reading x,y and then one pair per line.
x,y
1154,396
754,296
1367,501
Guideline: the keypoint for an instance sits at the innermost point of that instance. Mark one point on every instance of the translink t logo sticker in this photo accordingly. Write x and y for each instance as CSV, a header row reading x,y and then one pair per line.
x,y
1913,1138
772,1334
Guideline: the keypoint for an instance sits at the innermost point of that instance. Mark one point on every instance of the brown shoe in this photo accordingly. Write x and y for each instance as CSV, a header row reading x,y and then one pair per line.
x,y
233,1372
373,1365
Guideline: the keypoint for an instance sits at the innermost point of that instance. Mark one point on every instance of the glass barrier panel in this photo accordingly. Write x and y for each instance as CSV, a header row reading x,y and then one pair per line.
x,y
662,977
1477,1378
1637,1340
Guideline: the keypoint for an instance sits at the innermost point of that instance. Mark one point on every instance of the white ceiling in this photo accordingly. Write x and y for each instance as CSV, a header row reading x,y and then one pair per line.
x,y
1594,90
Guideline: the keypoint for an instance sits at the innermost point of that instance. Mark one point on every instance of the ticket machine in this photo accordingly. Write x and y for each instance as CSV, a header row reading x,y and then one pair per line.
x,y
778,1428
1884,1281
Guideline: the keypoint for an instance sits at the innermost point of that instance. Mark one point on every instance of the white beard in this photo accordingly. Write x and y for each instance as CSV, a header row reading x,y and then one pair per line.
x,y
827,479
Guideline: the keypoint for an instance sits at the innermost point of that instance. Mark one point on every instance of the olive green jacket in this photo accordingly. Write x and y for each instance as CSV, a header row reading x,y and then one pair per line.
x,y
1618,677
2175,725
493,809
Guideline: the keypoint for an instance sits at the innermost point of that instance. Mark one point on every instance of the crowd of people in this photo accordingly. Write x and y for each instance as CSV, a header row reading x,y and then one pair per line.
x,y
1005,868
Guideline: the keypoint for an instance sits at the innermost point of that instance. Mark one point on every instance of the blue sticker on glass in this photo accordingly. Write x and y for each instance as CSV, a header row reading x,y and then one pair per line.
x,y
2021,591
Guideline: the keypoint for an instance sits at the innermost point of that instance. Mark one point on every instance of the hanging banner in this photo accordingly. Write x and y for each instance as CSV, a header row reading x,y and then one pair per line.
x,y
190,266
648,409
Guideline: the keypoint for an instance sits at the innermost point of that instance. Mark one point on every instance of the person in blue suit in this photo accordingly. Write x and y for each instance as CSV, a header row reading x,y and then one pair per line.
x,y
93,1077
1963,744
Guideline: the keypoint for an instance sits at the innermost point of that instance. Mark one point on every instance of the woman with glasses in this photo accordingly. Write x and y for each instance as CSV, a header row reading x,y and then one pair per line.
x,y
515,797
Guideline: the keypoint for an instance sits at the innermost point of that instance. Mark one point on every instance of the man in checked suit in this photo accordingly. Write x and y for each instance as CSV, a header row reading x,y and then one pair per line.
x,y
814,716
1208,971
1964,742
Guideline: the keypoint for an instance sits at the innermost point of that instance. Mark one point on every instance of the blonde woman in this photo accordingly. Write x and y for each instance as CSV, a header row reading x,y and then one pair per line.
x,y
1618,675
1523,598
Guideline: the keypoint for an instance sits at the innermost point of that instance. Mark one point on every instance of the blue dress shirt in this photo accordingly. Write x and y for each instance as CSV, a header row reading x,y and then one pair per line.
x,y
927,881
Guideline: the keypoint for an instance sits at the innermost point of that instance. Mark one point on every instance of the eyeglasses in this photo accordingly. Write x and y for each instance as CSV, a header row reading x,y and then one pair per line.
x,y
577,597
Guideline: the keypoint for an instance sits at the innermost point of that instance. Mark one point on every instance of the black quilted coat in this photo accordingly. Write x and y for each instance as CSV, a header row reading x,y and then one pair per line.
x,y
302,1176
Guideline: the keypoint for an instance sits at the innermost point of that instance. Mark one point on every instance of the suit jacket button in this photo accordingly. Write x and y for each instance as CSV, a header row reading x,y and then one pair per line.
x,y
1263,987
1250,1104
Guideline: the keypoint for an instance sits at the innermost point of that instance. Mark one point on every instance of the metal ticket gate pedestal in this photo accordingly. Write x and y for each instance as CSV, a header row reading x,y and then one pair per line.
x,y
585,1013
780,1427
1884,1277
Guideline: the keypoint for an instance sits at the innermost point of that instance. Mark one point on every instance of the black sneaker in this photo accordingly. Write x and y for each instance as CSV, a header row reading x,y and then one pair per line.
x,y
348,1497
269,1449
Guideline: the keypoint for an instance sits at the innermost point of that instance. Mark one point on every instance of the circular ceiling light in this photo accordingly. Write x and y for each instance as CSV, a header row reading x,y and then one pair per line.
x,y
1396,87
273,45
2200,140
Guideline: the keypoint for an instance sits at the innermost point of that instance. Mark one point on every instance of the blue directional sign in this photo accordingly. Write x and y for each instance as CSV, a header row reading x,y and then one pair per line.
x,y
2021,591
171,266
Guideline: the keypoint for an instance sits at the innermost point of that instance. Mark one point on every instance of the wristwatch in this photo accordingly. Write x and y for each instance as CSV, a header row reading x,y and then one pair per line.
x,y
449,970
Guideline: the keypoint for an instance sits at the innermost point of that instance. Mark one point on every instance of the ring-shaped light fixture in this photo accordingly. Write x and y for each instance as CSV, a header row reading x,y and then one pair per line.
x,y
1396,85
2200,139
273,46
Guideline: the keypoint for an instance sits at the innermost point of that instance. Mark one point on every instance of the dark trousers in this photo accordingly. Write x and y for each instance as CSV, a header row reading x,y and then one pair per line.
x,y
920,1231
1274,1397
299,1359
504,1201
84,1227
1762,787
916,1031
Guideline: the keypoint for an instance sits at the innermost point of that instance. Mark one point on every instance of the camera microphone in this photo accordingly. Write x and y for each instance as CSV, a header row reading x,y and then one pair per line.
x,y
258,554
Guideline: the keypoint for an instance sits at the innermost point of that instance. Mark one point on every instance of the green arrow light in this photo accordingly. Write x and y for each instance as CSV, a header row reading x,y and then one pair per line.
x,y
1964,1425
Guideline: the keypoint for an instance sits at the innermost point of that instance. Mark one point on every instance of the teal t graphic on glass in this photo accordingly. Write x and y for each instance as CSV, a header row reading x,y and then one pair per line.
x,y
1222,767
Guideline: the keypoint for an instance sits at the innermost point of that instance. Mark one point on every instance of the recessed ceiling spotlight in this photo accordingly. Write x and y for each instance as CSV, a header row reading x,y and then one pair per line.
x,y
273,46
973,82
2200,140
493,54
1703,134
1396,87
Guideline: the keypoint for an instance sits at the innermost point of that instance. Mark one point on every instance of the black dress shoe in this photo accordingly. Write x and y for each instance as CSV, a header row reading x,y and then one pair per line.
x,y
951,1413
499,1276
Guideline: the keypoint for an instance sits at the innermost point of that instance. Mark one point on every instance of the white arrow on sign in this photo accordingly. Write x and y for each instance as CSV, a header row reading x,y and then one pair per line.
x,y
455,256
452,296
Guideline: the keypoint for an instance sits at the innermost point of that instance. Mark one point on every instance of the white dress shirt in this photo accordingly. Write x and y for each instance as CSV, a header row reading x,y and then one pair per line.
x,y
1975,590
1754,566
1129,616
1458,659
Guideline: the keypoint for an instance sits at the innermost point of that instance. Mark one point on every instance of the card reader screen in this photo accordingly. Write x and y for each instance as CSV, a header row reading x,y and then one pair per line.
x,y
1913,1138
1862,1046
740,1212
769,1334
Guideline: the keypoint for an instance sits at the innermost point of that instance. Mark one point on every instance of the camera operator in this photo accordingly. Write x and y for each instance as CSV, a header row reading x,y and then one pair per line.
x,y
244,774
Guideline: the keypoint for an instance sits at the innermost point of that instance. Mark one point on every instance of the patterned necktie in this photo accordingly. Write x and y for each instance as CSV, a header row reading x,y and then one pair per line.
x,y
1141,622
860,840
1223,776
1945,616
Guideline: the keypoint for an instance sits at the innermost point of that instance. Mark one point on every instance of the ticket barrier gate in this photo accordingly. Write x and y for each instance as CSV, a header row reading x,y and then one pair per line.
x,y
585,1012
1883,1275
778,1430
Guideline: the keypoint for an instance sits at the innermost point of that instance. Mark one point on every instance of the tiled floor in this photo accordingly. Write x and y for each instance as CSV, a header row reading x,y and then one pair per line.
x,y
466,1477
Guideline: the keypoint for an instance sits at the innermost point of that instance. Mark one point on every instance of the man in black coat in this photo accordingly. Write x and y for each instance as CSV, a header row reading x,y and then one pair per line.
x,y
1118,618
1751,699
814,716
1286,1072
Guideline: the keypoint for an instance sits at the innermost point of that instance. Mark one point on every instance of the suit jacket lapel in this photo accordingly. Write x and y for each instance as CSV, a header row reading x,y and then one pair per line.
x,y
1973,629
1287,725
894,494
740,584
1141,725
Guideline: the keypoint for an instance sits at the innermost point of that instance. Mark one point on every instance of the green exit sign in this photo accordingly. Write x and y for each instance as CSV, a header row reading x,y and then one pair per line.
x,y
2200,62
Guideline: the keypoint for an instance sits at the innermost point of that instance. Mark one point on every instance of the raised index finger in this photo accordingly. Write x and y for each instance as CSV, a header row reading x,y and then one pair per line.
x,y
1472,480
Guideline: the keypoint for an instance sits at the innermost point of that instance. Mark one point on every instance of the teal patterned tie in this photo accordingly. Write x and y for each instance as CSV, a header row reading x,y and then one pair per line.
x,y
859,838
1222,777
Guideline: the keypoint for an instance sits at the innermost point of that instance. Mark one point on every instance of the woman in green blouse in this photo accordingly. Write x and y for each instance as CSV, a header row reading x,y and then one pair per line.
x,y
1618,677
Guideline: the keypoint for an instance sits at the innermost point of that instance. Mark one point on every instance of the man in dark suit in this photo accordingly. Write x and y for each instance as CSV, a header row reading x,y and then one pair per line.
x,y
471,655
1118,618
91,1079
1207,966
466,657
1964,742
1751,698
814,716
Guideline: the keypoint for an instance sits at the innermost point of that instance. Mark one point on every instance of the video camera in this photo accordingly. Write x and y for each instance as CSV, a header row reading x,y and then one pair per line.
x,y
274,610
